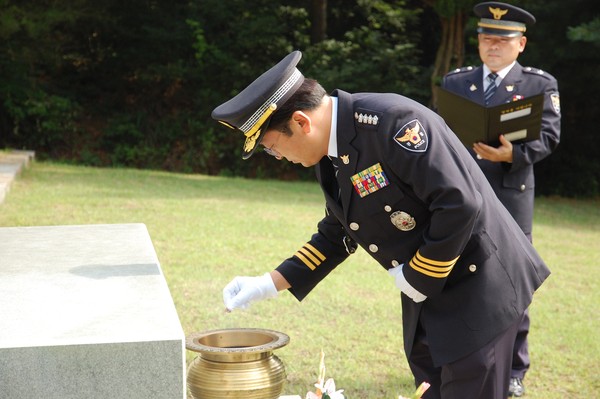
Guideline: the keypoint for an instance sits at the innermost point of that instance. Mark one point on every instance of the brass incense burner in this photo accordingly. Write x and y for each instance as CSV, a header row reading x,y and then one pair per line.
x,y
236,363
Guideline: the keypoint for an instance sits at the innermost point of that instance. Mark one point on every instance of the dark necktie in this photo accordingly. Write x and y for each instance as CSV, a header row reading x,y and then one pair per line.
x,y
336,169
491,89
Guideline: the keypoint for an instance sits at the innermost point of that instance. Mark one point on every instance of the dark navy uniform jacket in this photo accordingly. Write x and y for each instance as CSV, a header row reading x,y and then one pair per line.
x,y
514,182
461,249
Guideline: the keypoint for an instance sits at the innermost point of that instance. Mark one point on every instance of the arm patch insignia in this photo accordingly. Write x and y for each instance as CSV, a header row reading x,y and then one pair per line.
x,y
412,137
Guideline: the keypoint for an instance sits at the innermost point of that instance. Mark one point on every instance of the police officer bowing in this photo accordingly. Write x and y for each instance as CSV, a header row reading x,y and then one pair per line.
x,y
408,193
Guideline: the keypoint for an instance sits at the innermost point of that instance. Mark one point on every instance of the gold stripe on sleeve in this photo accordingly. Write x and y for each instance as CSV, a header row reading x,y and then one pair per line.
x,y
310,256
431,267
307,262
315,251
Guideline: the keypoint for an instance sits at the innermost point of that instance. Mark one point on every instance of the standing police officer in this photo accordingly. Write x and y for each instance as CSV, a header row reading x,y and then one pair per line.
x,y
508,167
400,184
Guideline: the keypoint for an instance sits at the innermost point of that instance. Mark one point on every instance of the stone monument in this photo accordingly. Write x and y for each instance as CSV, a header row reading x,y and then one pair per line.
x,y
85,312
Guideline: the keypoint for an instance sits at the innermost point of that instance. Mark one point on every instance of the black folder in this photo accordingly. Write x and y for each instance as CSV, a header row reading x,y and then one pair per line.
x,y
519,121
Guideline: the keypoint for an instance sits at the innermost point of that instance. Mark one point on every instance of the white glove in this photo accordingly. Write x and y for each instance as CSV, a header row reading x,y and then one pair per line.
x,y
241,291
405,287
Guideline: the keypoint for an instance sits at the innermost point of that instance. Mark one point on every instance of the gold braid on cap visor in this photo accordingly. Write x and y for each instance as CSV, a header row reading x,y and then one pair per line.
x,y
253,134
502,25
252,126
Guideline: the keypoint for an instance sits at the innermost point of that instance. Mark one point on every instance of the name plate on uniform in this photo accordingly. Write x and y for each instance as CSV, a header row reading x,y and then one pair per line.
x,y
519,121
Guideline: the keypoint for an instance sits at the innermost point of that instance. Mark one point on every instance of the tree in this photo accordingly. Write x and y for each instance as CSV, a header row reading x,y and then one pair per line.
x,y
564,42
370,46
318,17
31,113
453,16
134,83
586,32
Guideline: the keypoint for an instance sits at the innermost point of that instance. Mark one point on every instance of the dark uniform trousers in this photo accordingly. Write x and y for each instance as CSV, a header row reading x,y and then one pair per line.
x,y
514,183
410,194
481,374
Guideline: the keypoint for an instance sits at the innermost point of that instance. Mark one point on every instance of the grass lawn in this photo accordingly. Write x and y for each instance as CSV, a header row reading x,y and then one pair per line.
x,y
206,230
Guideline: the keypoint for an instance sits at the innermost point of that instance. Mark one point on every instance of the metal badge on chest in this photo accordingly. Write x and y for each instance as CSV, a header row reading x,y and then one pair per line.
x,y
403,221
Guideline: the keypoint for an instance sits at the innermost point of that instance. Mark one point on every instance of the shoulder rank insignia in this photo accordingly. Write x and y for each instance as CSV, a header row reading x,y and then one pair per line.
x,y
555,102
366,118
537,71
412,137
463,69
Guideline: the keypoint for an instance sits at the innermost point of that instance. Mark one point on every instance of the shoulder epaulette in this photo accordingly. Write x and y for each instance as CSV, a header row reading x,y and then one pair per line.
x,y
536,71
463,69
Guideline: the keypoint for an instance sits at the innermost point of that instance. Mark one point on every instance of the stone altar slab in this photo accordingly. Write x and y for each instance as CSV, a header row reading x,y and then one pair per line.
x,y
85,312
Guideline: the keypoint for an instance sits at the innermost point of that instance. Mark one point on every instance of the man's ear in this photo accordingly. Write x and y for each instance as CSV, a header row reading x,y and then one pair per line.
x,y
523,42
302,120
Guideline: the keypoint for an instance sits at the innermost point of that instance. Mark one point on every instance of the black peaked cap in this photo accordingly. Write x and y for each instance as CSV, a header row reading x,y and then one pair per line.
x,y
502,19
250,111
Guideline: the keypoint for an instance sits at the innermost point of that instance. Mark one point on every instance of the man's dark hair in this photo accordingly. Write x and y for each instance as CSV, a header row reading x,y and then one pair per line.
x,y
308,96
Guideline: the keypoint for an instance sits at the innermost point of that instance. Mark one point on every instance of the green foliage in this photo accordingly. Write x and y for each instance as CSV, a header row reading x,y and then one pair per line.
x,y
574,168
377,55
31,115
586,32
134,83
448,8
382,58
41,119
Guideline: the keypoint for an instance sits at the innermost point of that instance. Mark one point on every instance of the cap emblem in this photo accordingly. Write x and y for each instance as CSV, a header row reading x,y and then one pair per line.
x,y
498,13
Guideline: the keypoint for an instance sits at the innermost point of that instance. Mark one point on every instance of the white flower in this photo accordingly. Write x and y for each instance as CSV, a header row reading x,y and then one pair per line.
x,y
329,389
326,389
312,395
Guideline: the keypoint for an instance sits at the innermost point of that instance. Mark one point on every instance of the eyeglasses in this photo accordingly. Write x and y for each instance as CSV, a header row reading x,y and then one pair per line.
x,y
271,151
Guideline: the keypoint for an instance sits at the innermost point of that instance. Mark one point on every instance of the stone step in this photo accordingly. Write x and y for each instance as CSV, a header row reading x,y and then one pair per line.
x,y
12,162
